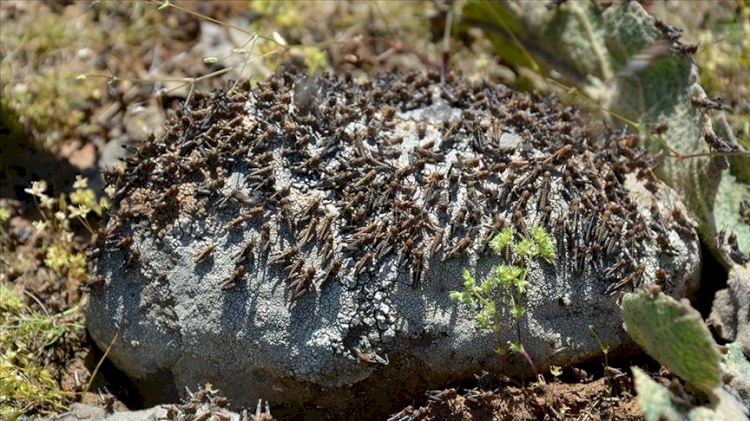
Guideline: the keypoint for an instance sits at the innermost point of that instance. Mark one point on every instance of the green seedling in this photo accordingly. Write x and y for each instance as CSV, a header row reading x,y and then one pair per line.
x,y
506,286
605,351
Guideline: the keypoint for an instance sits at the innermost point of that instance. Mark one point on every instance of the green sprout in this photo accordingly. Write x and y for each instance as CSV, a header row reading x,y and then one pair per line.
x,y
507,284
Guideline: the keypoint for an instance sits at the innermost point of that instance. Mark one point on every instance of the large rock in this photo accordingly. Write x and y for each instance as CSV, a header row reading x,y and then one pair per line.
x,y
298,242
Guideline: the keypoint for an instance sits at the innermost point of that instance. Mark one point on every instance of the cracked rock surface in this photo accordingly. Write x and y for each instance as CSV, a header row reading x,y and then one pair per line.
x,y
297,242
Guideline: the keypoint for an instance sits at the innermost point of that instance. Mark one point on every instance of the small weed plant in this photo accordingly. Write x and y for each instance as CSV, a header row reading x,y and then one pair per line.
x,y
30,339
56,217
27,338
506,285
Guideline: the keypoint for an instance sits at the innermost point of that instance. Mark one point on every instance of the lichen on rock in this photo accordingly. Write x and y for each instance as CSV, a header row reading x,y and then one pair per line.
x,y
297,241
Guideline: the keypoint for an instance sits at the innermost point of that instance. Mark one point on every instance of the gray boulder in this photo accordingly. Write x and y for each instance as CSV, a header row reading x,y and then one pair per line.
x,y
297,242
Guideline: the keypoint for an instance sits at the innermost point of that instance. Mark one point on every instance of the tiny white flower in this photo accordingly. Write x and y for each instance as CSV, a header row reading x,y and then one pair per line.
x,y
37,188
40,225
74,211
78,211
81,182
46,201
110,190
60,216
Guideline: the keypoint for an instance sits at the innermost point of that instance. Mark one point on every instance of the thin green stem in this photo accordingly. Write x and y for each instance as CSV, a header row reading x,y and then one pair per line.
x,y
86,224
501,347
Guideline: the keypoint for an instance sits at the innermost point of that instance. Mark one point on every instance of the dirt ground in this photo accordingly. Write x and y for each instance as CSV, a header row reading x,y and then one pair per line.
x,y
140,63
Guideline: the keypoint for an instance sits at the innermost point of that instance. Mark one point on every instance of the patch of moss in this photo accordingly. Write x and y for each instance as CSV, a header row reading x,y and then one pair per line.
x,y
26,385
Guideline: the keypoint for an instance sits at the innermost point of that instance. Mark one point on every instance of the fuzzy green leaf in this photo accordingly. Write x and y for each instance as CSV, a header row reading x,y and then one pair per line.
x,y
658,404
654,399
674,334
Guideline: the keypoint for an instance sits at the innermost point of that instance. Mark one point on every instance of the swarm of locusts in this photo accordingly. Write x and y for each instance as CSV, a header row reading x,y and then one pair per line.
x,y
321,176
